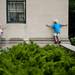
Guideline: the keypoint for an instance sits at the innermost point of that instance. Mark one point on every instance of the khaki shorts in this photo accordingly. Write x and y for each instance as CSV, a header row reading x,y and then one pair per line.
x,y
56,34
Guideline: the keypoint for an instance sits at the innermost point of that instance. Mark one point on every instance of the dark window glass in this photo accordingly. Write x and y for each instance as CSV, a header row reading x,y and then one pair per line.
x,y
16,11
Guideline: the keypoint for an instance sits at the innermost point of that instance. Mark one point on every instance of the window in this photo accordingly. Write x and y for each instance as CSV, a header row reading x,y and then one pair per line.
x,y
16,11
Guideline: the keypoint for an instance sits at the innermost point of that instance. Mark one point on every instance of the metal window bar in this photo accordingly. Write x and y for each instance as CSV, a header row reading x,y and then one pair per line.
x,y
16,11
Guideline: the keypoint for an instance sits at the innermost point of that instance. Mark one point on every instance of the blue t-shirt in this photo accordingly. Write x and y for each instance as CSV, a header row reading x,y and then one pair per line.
x,y
57,27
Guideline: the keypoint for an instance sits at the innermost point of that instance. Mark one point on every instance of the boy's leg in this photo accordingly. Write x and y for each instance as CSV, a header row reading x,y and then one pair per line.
x,y
55,38
58,39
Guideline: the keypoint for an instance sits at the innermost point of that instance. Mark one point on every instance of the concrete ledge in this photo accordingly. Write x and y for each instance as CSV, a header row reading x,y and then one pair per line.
x,y
10,42
15,40
68,46
39,41
48,40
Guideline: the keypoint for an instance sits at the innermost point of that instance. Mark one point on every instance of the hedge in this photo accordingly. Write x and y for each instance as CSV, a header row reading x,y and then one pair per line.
x,y
30,59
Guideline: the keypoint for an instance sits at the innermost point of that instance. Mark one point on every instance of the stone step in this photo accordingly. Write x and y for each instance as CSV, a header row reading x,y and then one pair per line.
x,y
48,40
39,41
68,46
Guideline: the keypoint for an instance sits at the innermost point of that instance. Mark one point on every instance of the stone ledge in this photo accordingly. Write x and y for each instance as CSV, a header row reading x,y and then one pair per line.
x,y
68,46
48,40
39,41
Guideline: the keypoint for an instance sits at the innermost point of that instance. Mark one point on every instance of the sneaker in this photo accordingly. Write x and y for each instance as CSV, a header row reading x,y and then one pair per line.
x,y
59,42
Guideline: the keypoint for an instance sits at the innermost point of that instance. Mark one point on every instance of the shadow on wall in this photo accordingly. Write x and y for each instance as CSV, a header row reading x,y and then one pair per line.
x,y
71,24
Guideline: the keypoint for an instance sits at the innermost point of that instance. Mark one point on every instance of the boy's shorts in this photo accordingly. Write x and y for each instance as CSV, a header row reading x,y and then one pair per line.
x,y
56,34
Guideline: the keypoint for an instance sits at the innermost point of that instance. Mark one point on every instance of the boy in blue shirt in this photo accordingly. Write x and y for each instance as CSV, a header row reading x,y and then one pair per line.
x,y
57,29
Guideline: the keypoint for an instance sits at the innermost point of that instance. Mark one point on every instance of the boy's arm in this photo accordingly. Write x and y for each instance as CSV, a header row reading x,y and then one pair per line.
x,y
48,25
64,25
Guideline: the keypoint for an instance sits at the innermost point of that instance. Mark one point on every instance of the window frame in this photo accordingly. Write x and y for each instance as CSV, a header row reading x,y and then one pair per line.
x,y
7,12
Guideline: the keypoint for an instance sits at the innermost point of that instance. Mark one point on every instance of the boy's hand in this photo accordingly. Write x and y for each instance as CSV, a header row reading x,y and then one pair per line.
x,y
47,25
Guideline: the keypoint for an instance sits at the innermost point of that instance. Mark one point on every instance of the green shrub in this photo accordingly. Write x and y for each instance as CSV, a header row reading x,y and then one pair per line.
x,y
72,40
30,59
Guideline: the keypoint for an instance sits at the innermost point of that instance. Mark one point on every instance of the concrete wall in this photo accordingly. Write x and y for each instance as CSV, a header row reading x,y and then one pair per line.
x,y
38,14
12,30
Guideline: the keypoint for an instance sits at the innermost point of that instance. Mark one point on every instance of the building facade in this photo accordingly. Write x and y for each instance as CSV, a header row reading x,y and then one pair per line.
x,y
27,19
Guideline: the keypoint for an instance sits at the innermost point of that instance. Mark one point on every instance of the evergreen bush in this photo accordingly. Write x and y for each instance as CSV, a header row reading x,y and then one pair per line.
x,y
30,59
72,40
